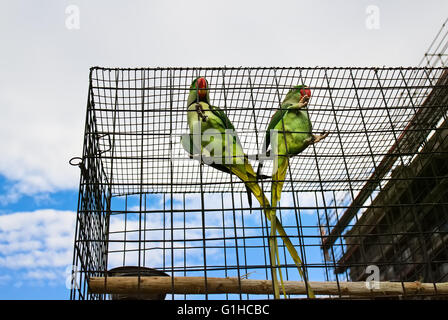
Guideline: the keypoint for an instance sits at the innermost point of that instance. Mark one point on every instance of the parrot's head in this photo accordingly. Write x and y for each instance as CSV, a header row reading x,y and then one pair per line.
x,y
302,90
297,92
199,90
202,86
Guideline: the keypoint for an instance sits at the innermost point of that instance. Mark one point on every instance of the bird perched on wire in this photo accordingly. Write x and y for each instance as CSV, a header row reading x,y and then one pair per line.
x,y
210,122
213,137
293,129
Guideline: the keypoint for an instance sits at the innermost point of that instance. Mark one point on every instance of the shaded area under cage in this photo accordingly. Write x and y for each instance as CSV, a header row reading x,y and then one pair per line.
x,y
144,202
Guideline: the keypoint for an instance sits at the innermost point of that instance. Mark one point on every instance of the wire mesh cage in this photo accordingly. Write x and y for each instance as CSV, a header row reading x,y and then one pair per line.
x,y
371,196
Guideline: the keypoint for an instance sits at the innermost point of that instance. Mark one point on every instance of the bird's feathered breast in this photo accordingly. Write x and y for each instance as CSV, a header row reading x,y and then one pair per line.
x,y
289,120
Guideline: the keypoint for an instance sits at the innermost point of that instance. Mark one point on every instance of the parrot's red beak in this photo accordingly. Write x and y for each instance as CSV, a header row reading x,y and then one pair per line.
x,y
305,92
202,88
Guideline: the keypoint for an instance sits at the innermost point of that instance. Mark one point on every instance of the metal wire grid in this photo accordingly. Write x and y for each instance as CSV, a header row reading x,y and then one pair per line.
x,y
404,228
148,204
436,55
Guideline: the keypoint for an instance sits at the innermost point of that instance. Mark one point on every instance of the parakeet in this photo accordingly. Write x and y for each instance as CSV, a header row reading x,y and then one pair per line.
x,y
203,116
294,134
224,147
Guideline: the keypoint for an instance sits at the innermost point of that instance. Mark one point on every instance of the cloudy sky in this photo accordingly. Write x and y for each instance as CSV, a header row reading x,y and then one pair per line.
x,y
48,47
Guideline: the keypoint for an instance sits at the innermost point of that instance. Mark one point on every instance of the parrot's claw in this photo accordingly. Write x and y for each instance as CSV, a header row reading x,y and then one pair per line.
x,y
317,138
304,101
200,112
203,117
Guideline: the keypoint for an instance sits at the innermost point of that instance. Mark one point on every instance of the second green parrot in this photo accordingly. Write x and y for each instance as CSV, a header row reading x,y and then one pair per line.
x,y
294,134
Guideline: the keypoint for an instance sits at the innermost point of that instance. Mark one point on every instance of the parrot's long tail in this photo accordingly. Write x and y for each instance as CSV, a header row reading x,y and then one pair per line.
x,y
276,190
277,225
274,258
278,178
250,179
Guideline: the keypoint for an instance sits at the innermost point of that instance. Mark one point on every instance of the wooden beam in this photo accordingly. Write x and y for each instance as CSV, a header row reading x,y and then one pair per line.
x,y
196,285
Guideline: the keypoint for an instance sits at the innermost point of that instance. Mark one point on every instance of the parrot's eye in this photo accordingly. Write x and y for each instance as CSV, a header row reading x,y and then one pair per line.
x,y
202,84
305,92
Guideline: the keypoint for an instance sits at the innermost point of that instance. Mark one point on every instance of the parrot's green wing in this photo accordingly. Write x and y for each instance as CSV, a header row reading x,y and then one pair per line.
x,y
217,111
188,145
228,125
276,118
192,150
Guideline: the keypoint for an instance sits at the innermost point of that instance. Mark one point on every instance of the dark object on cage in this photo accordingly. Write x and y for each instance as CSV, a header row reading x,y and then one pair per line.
x,y
135,272
370,195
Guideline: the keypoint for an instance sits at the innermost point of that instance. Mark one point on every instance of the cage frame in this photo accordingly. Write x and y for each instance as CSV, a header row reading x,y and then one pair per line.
x,y
96,195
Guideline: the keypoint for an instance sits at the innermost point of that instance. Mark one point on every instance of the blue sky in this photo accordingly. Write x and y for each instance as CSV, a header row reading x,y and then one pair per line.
x,y
45,62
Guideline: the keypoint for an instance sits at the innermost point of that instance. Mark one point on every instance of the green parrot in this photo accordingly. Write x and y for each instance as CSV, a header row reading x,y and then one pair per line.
x,y
294,134
226,152
198,104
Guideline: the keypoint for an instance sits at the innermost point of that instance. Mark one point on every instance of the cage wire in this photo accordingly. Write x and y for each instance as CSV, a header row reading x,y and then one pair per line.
x,y
436,55
374,192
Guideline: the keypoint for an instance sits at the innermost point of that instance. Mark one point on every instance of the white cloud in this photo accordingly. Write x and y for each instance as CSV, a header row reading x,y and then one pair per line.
x,y
36,245
19,246
41,274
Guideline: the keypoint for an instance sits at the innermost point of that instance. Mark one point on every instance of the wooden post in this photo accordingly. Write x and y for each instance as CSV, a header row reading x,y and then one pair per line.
x,y
196,285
